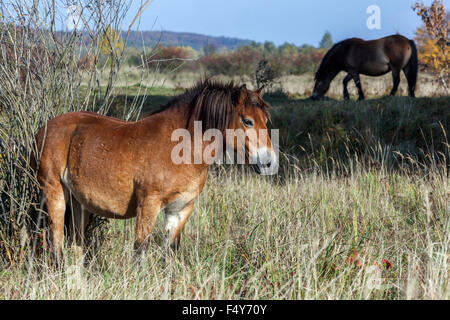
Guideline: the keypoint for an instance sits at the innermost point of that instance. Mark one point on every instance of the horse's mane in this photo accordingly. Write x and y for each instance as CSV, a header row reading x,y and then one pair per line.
x,y
211,102
328,62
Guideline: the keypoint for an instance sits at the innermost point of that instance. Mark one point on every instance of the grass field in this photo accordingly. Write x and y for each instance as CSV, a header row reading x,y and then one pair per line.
x,y
359,210
293,85
370,235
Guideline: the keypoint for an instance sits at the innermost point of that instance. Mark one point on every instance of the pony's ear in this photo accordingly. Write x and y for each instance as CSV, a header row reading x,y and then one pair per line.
x,y
243,93
259,91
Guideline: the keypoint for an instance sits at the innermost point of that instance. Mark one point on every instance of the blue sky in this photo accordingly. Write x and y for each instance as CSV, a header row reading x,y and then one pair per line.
x,y
279,21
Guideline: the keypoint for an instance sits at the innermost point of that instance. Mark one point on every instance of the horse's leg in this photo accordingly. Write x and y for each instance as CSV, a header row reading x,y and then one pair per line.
x,y
347,78
411,81
80,219
147,212
396,80
56,206
357,80
174,224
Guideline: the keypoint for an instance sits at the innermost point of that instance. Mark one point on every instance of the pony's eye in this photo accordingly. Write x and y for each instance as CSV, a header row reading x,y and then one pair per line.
x,y
247,122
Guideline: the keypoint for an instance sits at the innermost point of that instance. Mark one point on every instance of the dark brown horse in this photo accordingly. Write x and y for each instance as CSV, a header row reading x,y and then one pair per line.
x,y
373,58
121,170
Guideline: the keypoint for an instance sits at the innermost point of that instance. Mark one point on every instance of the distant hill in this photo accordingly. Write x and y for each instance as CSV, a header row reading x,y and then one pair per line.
x,y
168,38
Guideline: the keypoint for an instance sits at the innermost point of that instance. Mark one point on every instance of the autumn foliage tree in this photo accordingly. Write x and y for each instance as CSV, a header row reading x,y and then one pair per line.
x,y
111,42
432,38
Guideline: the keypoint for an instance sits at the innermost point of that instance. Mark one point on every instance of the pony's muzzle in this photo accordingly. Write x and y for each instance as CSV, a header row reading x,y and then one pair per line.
x,y
264,162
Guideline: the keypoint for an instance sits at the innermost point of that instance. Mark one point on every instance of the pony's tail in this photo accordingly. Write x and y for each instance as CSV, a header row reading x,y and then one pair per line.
x,y
412,68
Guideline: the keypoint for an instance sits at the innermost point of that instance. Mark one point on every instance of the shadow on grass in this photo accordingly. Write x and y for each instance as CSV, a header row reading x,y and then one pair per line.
x,y
385,130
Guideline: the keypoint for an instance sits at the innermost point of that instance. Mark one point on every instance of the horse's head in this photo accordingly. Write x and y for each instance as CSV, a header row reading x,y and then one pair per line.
x,y
238,115
329,67
250,138
321,87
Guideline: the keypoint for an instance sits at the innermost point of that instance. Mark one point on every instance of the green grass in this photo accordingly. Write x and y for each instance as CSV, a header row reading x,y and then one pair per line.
x,y
336,131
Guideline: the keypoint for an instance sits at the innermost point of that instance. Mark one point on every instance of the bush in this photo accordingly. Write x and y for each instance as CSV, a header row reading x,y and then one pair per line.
x,y
288,59
233,63
41,76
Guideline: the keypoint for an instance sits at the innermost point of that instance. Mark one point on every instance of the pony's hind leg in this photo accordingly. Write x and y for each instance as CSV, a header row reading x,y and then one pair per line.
x,y
79,221
396,81
345,82
410,76
56,198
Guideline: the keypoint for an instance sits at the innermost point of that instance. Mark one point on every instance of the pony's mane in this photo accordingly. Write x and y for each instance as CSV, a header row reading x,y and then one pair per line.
x,y
328,62
211,102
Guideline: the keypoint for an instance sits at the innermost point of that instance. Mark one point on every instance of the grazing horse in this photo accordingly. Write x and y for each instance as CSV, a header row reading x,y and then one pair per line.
x,y
121,170
373,58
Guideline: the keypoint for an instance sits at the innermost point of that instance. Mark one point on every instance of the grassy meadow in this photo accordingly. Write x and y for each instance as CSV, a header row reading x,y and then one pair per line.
x,y
293,85
359,210
369,235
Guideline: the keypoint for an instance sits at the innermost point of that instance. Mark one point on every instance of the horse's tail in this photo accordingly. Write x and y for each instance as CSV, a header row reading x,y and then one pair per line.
x,y
412,67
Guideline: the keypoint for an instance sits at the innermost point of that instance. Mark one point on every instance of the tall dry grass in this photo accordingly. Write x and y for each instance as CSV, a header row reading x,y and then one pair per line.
x,y
372,234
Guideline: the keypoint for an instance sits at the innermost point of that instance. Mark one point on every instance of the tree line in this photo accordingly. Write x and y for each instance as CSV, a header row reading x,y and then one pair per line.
x,y
287,59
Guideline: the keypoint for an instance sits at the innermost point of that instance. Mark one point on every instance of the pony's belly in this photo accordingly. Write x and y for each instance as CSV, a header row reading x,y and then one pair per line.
x,y
101,199
106,205
376,65
111,210
375,69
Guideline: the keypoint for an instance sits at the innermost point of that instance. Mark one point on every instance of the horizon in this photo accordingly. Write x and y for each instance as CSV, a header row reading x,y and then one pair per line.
x,y
225,20
283,21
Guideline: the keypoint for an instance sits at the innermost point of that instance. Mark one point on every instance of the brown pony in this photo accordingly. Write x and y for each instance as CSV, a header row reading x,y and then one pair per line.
x,y
121,170
373,58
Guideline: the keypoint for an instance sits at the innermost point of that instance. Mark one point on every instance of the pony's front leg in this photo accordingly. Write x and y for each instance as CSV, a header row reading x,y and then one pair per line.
x,y
147,212
345,82
174,224
358,85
